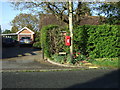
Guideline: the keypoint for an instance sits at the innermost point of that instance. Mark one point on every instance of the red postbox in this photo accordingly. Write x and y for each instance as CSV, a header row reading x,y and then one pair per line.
x,y
67,40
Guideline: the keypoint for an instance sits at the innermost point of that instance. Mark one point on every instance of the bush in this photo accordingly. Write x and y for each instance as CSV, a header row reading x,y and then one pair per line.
x,y
97,41
52,40
103,41
68,59
80,39
94,41
58,58
37,45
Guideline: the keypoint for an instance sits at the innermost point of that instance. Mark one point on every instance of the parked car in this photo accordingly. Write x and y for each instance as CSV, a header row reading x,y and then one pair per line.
x,y
25,41
8,42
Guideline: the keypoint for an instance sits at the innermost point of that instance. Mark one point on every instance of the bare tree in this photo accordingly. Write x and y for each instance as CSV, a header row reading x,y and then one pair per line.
x,y
59,9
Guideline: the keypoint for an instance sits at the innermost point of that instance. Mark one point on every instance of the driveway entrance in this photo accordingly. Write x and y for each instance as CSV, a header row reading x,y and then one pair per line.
x,y
24,58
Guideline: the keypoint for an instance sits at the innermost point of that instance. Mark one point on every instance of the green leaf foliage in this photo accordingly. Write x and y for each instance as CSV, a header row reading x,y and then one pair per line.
x,y
91,41
97,41
80,39
52,40
37,45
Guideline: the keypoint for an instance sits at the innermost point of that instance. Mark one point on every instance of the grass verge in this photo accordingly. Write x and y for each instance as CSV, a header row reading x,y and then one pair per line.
x,y
107,62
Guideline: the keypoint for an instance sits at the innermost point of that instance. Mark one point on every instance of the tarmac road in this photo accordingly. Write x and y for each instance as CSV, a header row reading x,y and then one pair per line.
x,y
28,58
94,78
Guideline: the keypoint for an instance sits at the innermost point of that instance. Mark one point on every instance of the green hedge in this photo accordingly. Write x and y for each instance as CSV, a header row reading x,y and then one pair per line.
x,y
80,36
52,40
37,43
45,42
97,41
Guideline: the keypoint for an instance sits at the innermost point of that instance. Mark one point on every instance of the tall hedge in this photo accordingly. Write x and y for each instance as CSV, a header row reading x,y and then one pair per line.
x,y
45,42
101,41
52,40
80,39
97,41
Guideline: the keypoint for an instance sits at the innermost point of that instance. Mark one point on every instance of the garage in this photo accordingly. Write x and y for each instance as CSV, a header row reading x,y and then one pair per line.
x,y
25,32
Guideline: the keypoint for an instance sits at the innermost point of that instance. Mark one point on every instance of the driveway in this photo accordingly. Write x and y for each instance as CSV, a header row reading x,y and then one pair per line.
x,y
25,58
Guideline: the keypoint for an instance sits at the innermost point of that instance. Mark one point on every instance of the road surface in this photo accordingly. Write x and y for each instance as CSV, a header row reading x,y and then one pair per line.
x,y
25,58
62,79
30,58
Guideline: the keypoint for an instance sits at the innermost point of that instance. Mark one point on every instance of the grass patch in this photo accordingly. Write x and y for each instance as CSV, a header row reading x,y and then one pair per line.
x,y
107,62
80,60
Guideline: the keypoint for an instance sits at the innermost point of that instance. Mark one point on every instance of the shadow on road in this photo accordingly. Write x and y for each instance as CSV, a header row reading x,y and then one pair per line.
x,y
110,80
9,52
